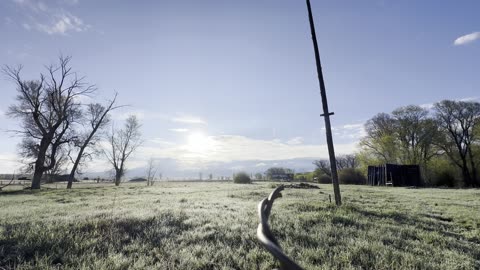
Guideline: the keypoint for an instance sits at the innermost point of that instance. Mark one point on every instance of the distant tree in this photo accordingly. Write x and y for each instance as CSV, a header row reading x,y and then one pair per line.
x,y
258,176
47,108
151,172
96,118
242,178
347,161
276,171
210,177
122,144
323,166
459,121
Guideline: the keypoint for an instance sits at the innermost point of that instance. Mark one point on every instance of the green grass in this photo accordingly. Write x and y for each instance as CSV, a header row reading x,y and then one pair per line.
x,y
213,226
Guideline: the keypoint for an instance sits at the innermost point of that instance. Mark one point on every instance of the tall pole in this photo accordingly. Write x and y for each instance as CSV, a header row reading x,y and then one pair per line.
x,y
326,114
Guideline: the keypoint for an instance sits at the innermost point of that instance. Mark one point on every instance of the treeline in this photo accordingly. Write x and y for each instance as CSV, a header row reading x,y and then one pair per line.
x,y
444,140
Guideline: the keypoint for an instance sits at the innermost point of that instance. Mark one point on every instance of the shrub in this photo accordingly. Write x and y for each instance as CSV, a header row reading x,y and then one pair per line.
x,y
351,177
242,178
444,179
324,179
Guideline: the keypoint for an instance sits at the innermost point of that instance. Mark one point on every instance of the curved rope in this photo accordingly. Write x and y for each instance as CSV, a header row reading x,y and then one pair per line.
x,y
264,234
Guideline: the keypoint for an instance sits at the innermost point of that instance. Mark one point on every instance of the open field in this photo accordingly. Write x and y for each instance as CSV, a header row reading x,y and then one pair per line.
x,y
213,226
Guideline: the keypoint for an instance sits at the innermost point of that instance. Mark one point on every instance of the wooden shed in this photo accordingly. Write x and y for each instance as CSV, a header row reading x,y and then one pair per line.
x,y
394,175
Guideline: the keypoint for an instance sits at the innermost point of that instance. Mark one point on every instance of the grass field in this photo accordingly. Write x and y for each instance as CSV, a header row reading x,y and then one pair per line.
x,y
213,226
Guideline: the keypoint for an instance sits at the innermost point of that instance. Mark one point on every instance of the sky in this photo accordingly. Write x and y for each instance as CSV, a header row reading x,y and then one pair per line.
x,y
222,86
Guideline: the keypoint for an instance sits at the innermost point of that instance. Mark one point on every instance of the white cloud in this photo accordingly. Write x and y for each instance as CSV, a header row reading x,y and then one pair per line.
x,y
227,148
62,24
467,38
349,131
8,21
140,114
181,130
261,164
50,20
189,120
162,142
295,141
427,106
9,163
26,26
469,99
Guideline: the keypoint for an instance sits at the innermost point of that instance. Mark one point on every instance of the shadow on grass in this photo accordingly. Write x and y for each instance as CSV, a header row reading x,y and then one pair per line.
x,y
64,243
425,223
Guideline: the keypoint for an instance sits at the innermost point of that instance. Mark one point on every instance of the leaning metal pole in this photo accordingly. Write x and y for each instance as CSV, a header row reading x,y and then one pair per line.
x,y
326,114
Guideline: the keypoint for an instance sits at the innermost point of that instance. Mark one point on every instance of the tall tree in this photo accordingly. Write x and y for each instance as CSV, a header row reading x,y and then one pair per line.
x,y
122,144
47,109
414,132
459,121
380,139
96,119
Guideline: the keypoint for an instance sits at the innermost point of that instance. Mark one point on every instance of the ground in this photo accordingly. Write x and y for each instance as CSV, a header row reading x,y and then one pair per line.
x,y
213,226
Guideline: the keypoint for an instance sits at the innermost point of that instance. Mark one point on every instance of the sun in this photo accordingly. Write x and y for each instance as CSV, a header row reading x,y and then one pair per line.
x,y
199,143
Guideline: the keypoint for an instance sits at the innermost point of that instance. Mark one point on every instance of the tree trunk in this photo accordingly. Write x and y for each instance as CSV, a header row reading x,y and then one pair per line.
x,y
37,177
475,180
75,166
39,169
118,177
466,173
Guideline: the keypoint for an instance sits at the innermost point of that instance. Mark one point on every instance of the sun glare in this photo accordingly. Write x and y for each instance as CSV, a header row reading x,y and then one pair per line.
x,y
199,143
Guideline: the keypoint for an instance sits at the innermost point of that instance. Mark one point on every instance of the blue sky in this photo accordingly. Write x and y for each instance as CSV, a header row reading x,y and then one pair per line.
x,y
224,86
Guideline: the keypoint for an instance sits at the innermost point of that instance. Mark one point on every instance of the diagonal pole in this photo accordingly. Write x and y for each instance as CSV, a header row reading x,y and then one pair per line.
x,y
326,114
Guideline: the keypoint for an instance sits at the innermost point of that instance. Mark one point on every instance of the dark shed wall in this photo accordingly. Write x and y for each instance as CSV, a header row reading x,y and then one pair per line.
x,y
396,175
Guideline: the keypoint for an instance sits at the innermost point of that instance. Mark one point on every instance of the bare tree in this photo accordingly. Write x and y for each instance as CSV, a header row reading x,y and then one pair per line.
x,y
151,172
60,165
459,120
122,144
324,166
47,108
97,119
347,162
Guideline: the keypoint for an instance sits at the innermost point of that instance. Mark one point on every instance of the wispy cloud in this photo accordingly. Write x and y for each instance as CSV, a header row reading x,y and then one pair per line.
x,y
140,114
353,131
9,163
48,19
467,38
295,141
429,106
181,130
227,148
189,120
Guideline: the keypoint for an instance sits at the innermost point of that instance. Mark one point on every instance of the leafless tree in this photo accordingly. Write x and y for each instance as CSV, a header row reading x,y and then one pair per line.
x,y
47,109
60,165
324,166
151,172
347,162
122,144
96,119
459,120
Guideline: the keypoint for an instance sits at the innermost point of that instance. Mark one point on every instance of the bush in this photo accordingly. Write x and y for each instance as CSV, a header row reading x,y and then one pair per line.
x,y
444,179
324,179
242,178
351,177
